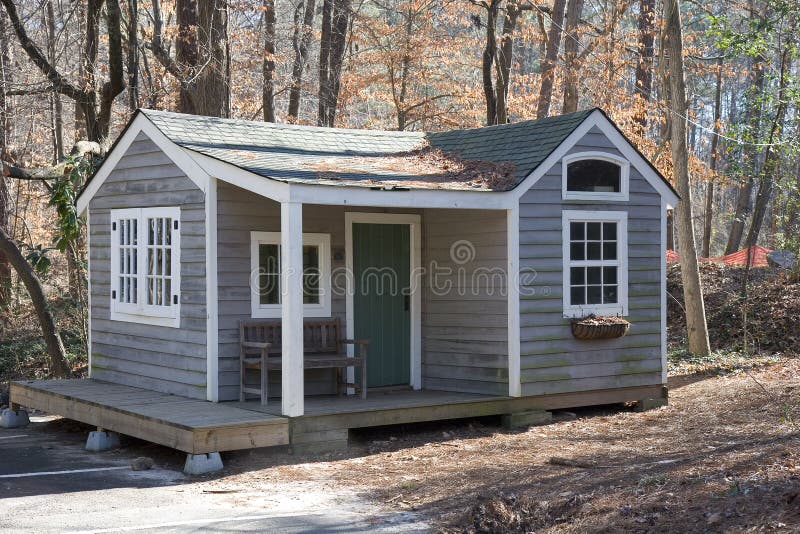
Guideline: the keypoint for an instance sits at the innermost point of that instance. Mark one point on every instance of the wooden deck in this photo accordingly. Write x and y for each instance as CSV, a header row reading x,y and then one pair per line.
x,y
190,425
197,426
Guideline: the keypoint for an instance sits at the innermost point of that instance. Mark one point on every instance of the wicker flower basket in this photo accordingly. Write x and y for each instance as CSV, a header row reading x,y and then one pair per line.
x,y
594,327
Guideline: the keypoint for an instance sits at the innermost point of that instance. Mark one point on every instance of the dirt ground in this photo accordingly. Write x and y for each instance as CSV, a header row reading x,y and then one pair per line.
x,y
724,456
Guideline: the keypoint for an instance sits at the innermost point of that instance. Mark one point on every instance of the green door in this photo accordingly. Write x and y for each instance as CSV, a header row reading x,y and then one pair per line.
x,y
381,268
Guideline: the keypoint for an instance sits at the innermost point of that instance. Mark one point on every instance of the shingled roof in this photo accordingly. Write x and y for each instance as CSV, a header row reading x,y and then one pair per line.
x,y
336,156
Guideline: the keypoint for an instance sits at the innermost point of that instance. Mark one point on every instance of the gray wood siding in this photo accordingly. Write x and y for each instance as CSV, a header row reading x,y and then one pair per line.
x,y
464,339
240,212
552,361
170,360
464,308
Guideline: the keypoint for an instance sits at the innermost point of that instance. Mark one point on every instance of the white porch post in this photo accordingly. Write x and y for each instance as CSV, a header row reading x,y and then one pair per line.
x,y
292,309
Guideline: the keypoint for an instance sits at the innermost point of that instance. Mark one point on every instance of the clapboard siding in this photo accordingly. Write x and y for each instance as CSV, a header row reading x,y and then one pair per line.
x,y
465,313
240,212
170,360
552,361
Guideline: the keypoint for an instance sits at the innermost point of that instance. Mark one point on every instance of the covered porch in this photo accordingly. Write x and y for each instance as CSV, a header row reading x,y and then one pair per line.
x,y
426,286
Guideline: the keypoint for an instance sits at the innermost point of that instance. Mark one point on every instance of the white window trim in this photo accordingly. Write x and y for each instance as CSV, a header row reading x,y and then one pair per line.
x,y
582,310
624,177
273,311
167,316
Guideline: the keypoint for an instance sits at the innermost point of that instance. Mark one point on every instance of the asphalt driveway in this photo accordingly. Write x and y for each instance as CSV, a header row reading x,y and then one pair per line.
x,y
48,483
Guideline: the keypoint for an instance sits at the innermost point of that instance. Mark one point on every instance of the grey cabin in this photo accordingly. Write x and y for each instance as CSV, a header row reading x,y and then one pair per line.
x,y
458,258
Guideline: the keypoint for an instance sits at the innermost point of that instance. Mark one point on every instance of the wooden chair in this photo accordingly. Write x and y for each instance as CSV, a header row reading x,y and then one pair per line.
x,y
323,348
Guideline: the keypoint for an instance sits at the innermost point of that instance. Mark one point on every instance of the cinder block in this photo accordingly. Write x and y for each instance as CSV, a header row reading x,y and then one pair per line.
x,y
199,464
644,405
102,440
526,419
14,418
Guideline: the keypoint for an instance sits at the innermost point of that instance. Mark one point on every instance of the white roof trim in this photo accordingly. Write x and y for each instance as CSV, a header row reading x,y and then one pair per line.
x,y
141,124
597,118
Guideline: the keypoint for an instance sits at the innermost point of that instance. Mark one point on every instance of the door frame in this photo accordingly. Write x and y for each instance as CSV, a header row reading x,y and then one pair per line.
x,y
414,223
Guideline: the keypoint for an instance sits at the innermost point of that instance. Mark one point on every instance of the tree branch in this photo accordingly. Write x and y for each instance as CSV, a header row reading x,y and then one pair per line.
x,y
60,83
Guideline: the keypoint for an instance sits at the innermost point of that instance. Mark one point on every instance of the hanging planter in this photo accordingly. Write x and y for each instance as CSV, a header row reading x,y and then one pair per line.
x,y
599,327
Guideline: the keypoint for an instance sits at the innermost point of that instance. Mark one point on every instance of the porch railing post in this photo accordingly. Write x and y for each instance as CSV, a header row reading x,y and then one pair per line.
x,y
292,309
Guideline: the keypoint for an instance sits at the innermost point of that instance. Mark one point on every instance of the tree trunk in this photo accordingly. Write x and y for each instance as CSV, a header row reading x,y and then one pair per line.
x,y
268,64
303,30
212,94
5,122
708,220
133,54
333,42
549,66
644,66
571,67
504,60
186,52
690,273
59,366
771,164
56,109
752,117
487,60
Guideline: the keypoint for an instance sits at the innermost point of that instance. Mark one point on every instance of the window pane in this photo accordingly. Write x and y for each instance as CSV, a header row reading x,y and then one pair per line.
x,y
269,289
168,292
610,294
577,296
577,276
610,231
576,251
593,231
168,262
592,251
609,275
610,251
576,231
134,261
134,232
151,290
311,288
593,275
593,175
167,231
151,231
594,295
151,266
269,259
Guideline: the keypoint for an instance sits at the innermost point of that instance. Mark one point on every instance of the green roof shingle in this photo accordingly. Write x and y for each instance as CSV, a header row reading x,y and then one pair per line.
x,y
293,153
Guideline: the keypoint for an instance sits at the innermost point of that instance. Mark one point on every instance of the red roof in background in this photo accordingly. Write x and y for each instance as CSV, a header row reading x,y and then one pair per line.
x,y
738,258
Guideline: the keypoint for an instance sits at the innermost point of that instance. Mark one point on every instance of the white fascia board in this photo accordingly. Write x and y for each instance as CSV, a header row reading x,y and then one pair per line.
x,y
273,189
141,124
414,198
620,143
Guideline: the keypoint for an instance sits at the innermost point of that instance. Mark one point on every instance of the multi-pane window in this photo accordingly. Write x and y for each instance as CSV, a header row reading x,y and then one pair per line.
x,y
266,274
595,263
145,265
595,176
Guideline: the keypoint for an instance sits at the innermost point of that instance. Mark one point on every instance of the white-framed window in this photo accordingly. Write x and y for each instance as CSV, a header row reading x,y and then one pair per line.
x,y
595,176
145,265
265,277
595,262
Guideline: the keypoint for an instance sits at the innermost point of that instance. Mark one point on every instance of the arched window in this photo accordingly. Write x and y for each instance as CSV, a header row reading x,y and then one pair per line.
x,y
595,176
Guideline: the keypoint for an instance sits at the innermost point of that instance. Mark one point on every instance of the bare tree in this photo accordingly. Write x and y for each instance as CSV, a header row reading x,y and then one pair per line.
x,y
571,64
551,55
644,65
268,63
95,103
303,31
212,96
55,347
5,130
692,290
336,17
714,158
